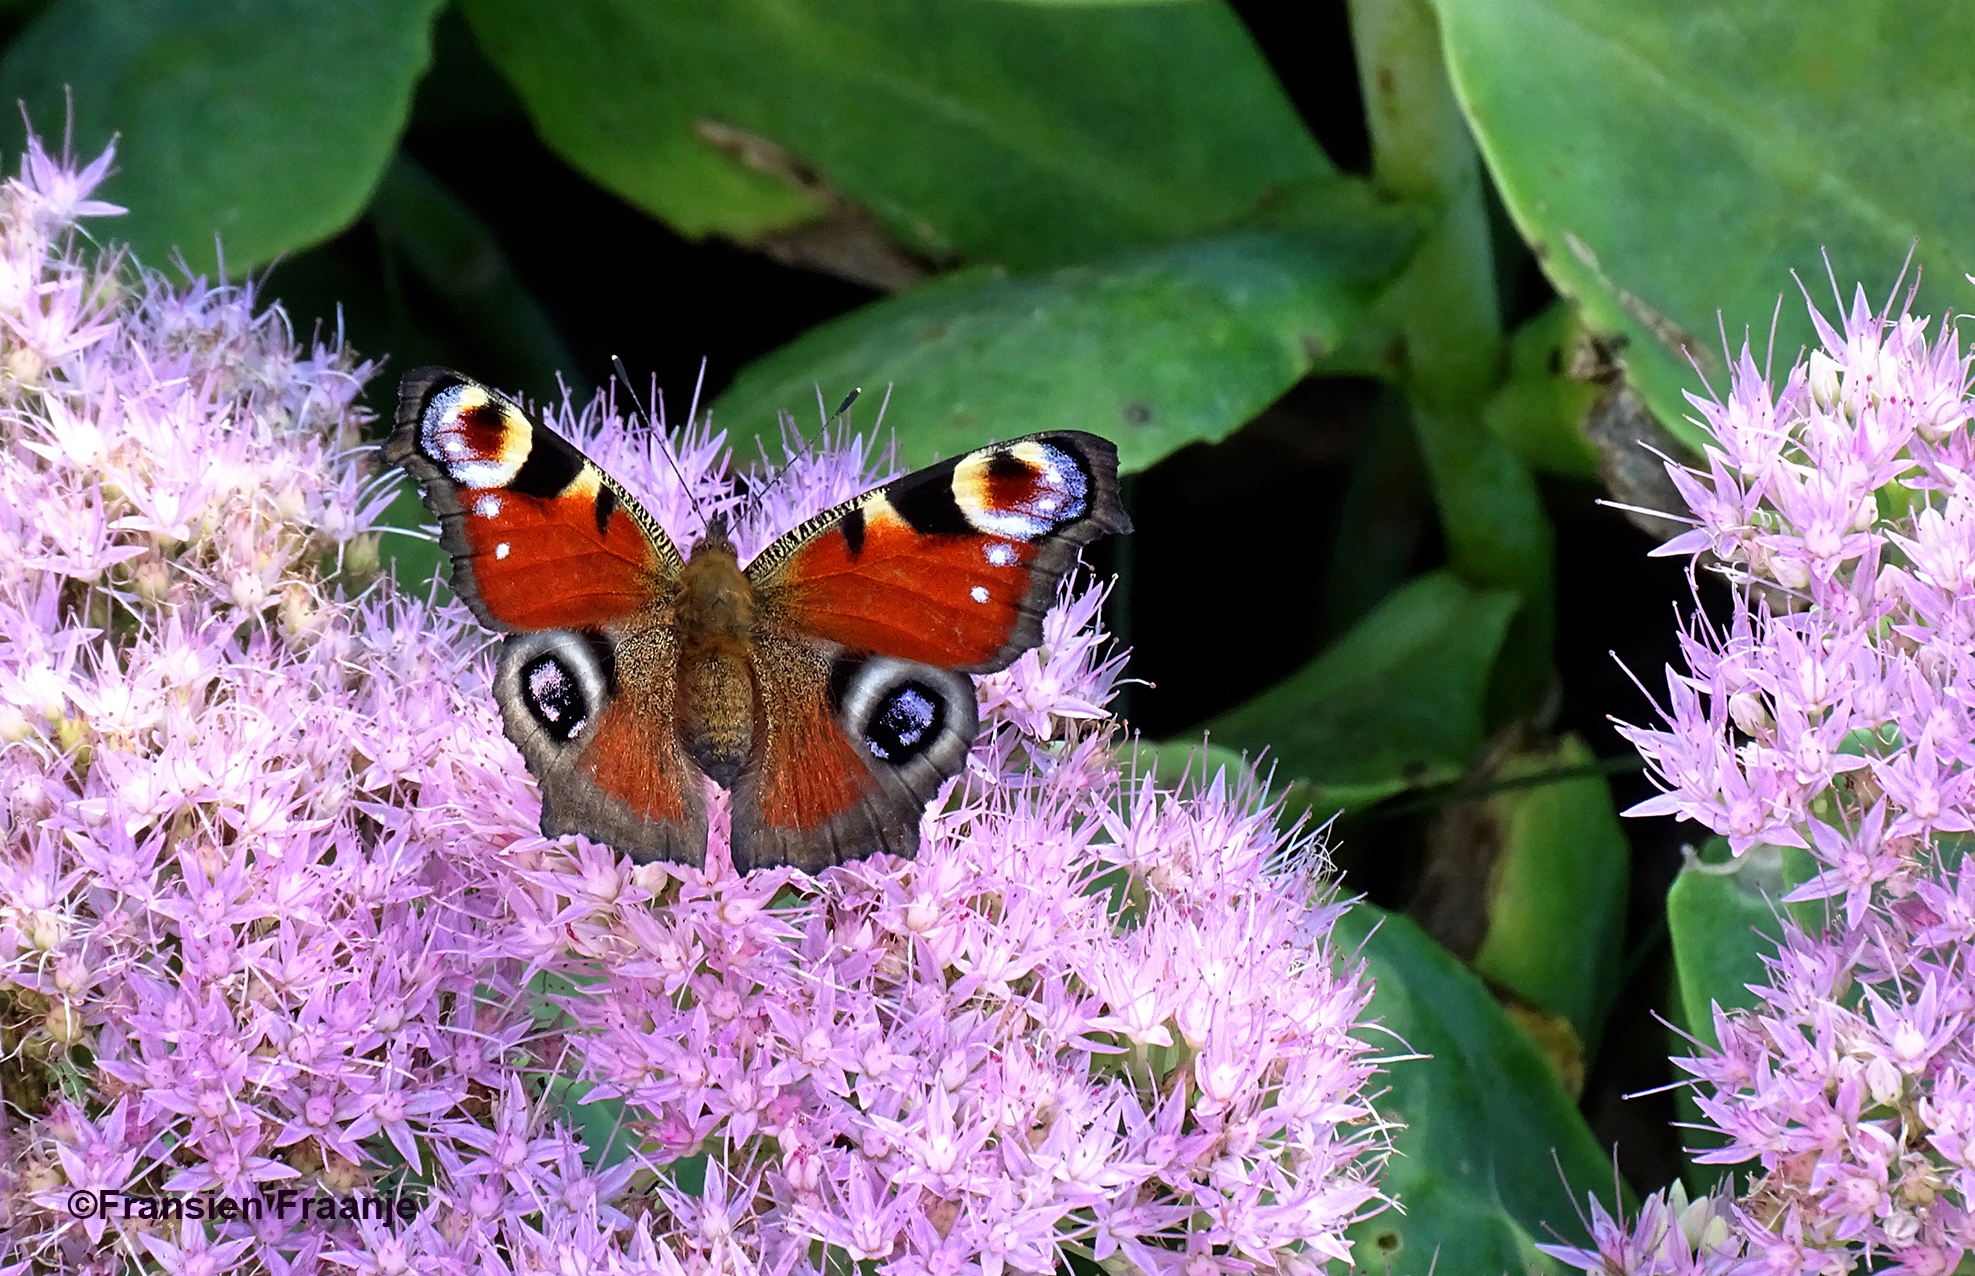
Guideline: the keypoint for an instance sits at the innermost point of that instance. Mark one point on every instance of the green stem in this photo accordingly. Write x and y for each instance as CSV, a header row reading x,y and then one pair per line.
x,y
1447,318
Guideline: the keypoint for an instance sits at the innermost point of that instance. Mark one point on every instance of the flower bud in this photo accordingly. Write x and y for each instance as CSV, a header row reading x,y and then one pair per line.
x,y
1919,1182
1883,1080
64,1023
921,915
1902,1228
1750,713
339,1174
298,612
290,504
72,736
151,579
39,1176
70,977
1788,572
14,726
1825,380
248,591
24,365
45,929
360,555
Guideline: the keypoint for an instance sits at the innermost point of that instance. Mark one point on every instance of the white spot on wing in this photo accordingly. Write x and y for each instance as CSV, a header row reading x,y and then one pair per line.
x,y
1000,554
488,506
500,550
978,593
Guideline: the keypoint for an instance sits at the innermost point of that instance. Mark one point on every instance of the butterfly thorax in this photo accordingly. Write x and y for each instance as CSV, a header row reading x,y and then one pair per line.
x,y
715,616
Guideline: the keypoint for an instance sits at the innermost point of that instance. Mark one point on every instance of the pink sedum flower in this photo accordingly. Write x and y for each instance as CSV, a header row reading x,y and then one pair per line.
x,y
1832,713
275,915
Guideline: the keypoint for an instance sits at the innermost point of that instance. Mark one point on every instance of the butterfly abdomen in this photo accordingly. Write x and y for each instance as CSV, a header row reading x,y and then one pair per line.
x,y
715,615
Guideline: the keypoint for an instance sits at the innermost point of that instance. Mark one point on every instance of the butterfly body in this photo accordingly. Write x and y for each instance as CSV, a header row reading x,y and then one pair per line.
x,y
824,684
717,620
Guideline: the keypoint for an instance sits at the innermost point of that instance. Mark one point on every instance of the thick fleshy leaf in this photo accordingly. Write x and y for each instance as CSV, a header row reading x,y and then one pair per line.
x,y
1669,160
1557,893
1539,411
1026,135
1722,920
1488,1127
1154,350
1394,703
266,123
1721,915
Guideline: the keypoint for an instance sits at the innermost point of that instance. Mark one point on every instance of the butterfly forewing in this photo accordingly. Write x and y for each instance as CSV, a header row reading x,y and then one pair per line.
x,y
954,565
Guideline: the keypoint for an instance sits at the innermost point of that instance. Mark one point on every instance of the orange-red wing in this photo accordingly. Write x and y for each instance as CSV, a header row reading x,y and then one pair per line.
x,y
593,717
634,757
953,565
540,537
851,750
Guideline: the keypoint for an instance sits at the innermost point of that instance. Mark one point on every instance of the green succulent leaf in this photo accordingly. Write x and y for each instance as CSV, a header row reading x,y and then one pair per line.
x,y
1396,702
1025,135
1557,893
1722,917
266,123
1487,1126
1672,162
1539,411
1498,535
1154,350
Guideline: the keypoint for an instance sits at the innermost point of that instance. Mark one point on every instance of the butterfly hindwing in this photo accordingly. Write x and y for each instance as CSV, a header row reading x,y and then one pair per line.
x,y
592,715
549,549
954,565
854,748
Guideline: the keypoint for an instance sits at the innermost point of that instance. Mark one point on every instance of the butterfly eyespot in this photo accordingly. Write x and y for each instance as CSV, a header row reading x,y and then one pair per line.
x,y
905,723
1024,492
555,683
469,433
555,698
860,598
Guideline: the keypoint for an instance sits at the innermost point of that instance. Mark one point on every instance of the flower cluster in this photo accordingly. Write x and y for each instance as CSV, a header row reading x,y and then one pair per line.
x,y
1831,712
275,916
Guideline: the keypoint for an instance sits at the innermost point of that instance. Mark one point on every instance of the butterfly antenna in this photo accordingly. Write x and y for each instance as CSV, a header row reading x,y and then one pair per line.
x,y
828,421
623,376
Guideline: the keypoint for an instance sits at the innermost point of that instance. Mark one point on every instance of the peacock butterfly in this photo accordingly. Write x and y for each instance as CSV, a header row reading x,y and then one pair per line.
x,y
825,685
